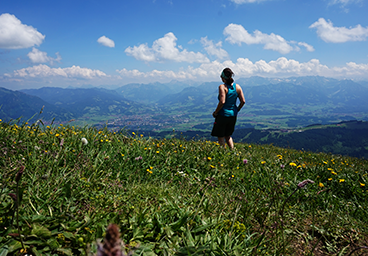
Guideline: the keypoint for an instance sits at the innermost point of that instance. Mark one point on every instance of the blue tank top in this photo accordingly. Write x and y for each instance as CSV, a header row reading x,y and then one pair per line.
x,y
230,108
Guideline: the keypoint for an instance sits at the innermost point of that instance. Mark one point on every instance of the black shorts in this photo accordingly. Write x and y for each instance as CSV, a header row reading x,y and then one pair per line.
x,y
223,126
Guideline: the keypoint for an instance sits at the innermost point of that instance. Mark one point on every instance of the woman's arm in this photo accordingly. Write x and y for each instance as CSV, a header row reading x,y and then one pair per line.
x,y
222,98
240,96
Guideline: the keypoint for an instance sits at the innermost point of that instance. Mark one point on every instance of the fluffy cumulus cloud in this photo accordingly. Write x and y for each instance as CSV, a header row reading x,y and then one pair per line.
x,y
42,71
165,49
15,35
243,67
37,56
214,49
105,41
237,34
330,34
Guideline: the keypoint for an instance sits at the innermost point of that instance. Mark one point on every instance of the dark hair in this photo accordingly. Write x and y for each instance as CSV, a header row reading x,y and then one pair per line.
x,y
227,74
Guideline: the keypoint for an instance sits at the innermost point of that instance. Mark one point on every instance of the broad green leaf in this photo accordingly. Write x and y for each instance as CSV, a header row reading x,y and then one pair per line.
x,y
35,252
53,243
4,250
65,251
40,231
14,245
68,235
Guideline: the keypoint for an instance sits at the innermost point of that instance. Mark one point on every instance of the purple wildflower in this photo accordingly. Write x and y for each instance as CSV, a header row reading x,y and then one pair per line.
x,y
245,161
19,174
138,158
282,166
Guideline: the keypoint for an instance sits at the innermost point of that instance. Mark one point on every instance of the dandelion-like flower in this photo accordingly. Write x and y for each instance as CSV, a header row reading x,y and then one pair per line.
x,y
84,141
305,183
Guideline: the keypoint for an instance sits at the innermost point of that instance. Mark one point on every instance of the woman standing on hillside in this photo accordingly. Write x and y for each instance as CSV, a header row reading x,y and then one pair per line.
x,y
226,111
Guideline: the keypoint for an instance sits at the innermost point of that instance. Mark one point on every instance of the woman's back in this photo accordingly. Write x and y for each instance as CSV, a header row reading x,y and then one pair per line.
x,y
230,108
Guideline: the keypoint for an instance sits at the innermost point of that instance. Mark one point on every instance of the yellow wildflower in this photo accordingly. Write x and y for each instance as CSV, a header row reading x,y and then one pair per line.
x,y
263,162
362,184
292,164
321,185
341,180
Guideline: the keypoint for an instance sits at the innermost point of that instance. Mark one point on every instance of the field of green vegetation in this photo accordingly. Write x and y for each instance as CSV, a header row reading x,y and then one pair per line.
x,y
60,187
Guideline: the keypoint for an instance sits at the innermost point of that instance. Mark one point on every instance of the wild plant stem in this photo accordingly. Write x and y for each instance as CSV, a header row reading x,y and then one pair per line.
x,y
20,236
356,249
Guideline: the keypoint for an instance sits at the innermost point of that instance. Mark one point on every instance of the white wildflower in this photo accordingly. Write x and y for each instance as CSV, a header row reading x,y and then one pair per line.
x,y
84,141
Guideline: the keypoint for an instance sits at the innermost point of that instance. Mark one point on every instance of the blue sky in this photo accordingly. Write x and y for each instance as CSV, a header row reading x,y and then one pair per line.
x,y
113,43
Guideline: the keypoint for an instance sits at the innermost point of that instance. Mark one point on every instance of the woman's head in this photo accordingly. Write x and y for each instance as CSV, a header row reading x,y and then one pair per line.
x,y
226,75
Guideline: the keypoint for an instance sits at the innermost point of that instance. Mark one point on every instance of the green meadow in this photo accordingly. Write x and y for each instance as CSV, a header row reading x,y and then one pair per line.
x,y
60,187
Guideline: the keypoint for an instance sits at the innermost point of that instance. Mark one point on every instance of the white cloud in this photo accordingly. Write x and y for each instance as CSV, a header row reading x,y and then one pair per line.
x,y
42,71
106,41
237,34
330,34
343,2
15,35
307,46
214,49
243,67
36,56
165,49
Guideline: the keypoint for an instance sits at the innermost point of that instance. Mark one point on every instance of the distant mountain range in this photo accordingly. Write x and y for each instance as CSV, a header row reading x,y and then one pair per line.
x,y
287,102
348,138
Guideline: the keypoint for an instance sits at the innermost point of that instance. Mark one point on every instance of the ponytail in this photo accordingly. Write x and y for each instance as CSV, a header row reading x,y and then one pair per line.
x,y
227,74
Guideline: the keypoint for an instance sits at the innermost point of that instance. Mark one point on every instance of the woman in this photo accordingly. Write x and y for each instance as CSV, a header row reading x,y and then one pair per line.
x,y
227,110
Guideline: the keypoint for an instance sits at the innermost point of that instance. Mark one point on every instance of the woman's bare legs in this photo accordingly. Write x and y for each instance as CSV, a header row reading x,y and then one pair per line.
x,y
228,140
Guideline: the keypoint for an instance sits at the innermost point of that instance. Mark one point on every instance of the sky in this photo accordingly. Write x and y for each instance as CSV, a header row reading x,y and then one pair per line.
x,y
112,43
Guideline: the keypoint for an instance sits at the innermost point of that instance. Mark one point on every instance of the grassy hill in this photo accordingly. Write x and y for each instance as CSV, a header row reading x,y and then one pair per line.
x,y
62,185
